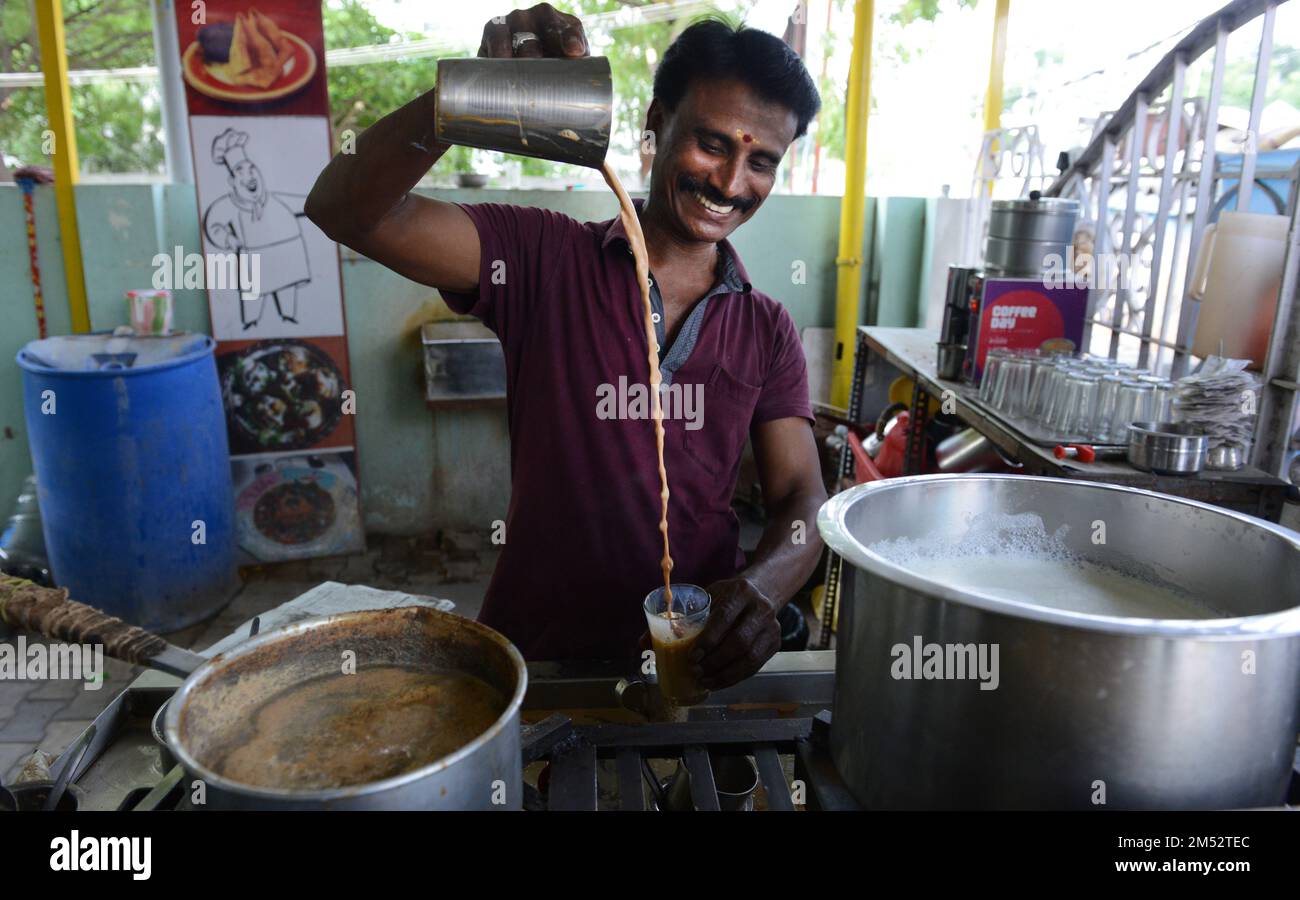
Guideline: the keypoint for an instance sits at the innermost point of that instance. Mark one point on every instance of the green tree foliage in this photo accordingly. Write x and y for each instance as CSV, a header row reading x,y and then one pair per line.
x,y
830,120
117,123
630,65
889,53
1239,78
361,95
924,10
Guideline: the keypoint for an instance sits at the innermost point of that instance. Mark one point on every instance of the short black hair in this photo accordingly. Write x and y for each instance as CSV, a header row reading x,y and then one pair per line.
x,y
714,48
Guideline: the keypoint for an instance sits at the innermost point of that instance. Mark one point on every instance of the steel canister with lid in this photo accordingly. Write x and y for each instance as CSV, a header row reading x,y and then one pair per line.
x,y
1024,233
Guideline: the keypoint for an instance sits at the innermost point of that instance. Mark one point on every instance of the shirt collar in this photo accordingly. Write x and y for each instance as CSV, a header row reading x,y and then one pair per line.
x,y
734,277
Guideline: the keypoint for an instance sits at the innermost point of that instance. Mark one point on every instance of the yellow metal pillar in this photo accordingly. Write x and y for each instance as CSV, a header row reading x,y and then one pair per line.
x,y
998,56
58,105
848,263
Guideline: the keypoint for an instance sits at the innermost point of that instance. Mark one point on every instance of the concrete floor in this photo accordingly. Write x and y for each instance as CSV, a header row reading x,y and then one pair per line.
x,y
455,566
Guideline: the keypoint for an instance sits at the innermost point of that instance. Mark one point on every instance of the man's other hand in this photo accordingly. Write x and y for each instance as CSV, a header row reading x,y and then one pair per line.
x,y
741,634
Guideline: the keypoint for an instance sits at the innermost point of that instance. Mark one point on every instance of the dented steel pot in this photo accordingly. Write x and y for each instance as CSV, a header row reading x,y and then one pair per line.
x,y
1086,711
210,715
484,774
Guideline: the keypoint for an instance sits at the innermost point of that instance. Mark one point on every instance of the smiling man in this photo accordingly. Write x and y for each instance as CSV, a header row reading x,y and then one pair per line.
x,y
581,548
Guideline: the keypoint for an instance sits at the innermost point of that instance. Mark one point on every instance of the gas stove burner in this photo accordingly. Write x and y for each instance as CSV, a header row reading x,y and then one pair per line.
x,y
706,750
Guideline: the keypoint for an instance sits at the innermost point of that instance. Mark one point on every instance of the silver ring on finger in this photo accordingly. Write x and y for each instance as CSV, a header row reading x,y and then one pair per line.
x,y
521,37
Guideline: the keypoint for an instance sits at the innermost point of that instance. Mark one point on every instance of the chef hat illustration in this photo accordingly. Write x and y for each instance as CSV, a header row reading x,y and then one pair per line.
x,y
228,148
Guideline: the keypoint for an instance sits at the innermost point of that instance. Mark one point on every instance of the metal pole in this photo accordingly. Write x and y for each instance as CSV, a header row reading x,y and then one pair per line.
x,y
175,117
1174,289
848,261
1277,402
1190,309
997,57
1251,150
1128,246
1173,144
58,106
993,96
1101,241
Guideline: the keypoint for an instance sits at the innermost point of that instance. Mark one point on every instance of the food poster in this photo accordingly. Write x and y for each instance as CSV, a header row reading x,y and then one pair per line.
x,y
296,506
253,57
286,395
255,88
271,272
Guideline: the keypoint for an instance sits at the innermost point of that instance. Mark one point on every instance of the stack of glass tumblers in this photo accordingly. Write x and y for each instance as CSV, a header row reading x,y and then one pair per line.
x,y
1074,398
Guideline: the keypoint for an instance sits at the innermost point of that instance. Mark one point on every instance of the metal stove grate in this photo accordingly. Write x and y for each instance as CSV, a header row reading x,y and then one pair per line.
x,y
573,752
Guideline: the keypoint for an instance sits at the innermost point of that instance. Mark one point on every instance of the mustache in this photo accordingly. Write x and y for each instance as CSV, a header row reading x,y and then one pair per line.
x,y
714,196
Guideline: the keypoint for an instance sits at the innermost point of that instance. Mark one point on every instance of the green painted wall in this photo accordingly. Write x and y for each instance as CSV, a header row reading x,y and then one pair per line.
x,y
18,322
419,469
898,262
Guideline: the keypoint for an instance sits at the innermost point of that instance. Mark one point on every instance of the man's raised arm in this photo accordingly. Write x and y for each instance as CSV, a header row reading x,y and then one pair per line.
x,y
363,199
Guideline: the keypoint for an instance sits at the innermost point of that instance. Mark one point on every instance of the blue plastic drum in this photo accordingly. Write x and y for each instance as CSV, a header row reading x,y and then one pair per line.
x,y
128,440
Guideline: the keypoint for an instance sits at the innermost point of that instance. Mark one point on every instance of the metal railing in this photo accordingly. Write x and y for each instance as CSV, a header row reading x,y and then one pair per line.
x,y
1152,146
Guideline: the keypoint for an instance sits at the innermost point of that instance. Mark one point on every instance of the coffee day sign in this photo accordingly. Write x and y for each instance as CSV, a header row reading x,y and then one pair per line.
x,y
255,88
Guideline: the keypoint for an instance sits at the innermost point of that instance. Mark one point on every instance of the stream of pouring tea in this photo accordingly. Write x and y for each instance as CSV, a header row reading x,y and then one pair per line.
x,y
636,239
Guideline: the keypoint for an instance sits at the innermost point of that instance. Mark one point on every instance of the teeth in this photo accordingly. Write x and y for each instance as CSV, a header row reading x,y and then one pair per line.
x,y
713,207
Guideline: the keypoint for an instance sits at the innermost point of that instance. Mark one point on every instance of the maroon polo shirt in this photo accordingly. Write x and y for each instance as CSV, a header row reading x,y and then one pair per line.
x,y
582,544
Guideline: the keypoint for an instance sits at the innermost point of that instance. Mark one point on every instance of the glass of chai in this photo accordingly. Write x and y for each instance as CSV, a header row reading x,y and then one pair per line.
x,y
673,633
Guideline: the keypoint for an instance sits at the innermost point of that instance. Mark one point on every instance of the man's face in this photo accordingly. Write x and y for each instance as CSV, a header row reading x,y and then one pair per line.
x,y
716,156
247,181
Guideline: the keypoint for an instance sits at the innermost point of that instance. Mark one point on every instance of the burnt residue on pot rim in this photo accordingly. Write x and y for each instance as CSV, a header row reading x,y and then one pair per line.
x,y
1264,626
241,655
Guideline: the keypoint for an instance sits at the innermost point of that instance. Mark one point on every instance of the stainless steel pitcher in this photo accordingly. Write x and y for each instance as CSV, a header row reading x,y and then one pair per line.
x,y
556,109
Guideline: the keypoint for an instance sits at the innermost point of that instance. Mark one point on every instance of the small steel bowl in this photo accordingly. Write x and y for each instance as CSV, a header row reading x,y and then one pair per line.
x,y
1166,448
1226,458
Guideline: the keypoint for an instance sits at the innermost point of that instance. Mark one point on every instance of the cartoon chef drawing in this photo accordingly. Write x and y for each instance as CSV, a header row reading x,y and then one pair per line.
x,y
254,220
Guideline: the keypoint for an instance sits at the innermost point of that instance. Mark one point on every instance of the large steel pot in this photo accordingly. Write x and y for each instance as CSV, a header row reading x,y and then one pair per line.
x,y
210,706
1089,711
210,713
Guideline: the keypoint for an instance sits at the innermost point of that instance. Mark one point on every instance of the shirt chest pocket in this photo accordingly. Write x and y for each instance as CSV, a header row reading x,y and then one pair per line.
x,y
717,435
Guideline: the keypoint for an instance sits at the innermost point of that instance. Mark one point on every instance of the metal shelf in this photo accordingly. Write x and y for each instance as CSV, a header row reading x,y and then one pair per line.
x,y
911,351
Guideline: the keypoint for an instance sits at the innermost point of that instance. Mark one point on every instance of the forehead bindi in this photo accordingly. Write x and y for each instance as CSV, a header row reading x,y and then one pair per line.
x,y
732,108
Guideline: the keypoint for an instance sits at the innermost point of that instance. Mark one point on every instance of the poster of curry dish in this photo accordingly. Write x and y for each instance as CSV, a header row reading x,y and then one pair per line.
x,y
296,506
253,57
285,395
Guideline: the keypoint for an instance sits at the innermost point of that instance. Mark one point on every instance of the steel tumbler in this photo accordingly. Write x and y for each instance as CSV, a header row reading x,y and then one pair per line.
x,y
556,109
